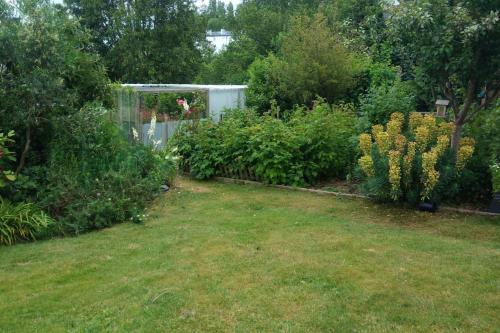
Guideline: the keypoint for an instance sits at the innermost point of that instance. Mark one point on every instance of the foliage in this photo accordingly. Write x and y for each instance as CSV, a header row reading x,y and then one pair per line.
x,y
21,221
495,177
383,99
260,23
455,47
47,69
219,15
313,63
94,177
307,146
144,41
6,158
262,84
361,24
229,66
167,104
411,160
475,182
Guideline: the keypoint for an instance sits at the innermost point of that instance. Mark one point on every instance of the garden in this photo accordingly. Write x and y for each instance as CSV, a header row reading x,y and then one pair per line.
x,y
357,188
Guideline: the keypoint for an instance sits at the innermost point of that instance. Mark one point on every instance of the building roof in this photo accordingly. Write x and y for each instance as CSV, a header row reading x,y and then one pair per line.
x,y
183,87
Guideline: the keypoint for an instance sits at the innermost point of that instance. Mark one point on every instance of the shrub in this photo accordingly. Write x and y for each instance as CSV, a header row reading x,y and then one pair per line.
x,y
262,83
384,99
22,221
475,181
93,176
411,160
197,145
6,157
305,147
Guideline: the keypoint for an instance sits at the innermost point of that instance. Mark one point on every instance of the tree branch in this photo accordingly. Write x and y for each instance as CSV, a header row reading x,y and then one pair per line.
x,y
26,149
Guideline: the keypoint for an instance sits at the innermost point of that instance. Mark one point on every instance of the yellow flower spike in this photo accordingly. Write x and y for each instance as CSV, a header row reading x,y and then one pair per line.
x,y
376,129
443,143
463,156
366,164
446,128
429,121
430,176
395,173
398,116
393,129
408,161
383,143
415,120
400,143
422,136
365,143
467,141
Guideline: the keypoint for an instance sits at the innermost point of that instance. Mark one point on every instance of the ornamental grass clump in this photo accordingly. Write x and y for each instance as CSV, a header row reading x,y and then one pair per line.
x,y
410,160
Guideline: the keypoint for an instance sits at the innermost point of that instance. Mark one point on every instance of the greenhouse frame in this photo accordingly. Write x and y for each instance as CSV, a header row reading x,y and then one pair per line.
x,y
129,101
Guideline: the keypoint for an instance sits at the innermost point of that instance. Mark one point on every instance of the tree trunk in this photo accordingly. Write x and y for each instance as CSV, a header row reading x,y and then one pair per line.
x,y
461,114
26,149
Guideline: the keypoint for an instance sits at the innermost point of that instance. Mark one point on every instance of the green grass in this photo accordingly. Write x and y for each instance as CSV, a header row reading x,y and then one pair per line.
x,y
217,257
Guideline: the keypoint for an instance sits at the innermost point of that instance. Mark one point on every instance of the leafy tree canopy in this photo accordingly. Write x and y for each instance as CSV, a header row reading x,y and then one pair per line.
x,y
144,41
454,46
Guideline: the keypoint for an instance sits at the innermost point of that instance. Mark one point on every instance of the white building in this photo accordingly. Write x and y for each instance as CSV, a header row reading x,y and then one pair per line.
x,y
220,39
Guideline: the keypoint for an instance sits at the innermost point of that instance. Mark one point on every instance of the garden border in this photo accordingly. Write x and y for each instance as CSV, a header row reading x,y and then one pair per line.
x,y
340,194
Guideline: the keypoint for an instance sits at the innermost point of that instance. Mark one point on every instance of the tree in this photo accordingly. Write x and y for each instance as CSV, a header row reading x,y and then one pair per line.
x,y
262,24
145,41
212,8
262,84
264,20
46,70
455,47
221,10
313,62
230,16
230,66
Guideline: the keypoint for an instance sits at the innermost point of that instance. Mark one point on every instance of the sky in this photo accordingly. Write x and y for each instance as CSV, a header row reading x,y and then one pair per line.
x,y
198,2
235,2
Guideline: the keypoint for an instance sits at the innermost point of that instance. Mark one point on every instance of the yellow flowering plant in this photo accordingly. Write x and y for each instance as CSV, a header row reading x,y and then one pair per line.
x,y
411,159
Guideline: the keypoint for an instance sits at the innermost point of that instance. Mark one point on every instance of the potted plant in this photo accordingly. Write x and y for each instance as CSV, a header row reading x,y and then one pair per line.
x,y
495,179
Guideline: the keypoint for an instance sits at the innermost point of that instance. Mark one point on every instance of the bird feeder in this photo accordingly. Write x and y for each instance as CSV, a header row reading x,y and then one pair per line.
x,y
441,107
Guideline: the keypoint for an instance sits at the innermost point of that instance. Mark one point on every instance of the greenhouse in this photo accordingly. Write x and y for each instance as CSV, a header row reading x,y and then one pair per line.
x,y
150,113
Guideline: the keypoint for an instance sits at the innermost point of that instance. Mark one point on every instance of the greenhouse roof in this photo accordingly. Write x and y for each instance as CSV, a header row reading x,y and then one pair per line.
x,y
182,87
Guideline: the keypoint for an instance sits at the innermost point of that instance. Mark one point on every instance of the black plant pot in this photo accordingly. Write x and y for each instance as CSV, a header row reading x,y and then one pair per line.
x,y
428,207
495,203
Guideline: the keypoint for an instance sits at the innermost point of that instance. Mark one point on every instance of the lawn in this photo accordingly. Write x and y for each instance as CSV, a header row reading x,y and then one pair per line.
x,y
218,257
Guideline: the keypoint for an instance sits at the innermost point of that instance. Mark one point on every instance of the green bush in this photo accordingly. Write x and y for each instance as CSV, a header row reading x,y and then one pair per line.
x,y
305,147
476,181
383,99
94,177
6,158
21,221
